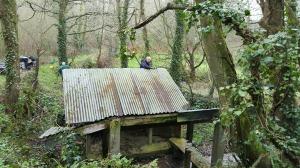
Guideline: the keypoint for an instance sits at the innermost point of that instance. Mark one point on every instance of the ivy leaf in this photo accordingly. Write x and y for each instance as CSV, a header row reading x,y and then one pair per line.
x,y
238,112
268,60
242,93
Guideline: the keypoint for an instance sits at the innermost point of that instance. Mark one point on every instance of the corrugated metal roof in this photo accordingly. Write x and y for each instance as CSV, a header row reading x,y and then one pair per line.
x,y
95,94
54,130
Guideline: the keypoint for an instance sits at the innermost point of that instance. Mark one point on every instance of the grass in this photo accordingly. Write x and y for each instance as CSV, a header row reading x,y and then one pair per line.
x,y
2,83
161,60
50,82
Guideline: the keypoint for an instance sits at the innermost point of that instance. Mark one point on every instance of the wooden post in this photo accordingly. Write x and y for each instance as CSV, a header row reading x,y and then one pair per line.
x,y
218,145
114,137
150,135
189,138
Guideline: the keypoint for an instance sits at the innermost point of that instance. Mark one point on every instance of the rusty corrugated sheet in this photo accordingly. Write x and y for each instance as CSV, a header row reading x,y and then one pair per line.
x,y
95,94
53,131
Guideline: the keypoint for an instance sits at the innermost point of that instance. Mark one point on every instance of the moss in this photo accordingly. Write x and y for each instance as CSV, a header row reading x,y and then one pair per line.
x,y
176,68
10,36
123,17
62,34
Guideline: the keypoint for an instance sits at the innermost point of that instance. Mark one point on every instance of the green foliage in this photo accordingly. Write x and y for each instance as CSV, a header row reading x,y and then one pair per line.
x,y
271,56
4,119
116,161
202,132
72,150
89,63
2,84
228,16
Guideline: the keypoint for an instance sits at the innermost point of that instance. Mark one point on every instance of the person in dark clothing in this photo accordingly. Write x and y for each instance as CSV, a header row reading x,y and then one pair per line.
x,y
146,63
62,67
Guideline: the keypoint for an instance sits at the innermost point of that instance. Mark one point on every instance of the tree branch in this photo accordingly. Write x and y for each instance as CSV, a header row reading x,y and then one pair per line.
x,y
245,33
41,8
170,6
92,30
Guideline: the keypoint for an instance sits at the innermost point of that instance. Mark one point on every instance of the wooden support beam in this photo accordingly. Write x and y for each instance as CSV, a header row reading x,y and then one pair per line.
x,y
218,145
183,117
91,128
202,115
196,157
149,119
114,136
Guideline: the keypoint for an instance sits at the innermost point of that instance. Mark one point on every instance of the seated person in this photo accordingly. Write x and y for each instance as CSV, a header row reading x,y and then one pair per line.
x,y
146,63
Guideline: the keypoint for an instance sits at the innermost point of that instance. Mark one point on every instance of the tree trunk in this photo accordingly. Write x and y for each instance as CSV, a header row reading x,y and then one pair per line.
x,y
99,63
222,68
273,22
220,62
9,20
62,34
79,39
176,68
273,15
192,66
145,32
122,12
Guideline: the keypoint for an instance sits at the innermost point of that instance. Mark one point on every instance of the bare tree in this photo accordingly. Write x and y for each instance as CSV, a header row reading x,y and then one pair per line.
x,y
145,32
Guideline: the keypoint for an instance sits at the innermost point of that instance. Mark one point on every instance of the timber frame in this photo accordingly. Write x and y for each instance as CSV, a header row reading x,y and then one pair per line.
x,y
190,117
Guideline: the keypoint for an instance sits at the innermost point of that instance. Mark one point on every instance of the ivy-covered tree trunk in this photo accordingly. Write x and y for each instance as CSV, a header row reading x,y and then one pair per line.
x,y
62,32
220,62
273,22
122,12
222,68
9,20
176,69
145,32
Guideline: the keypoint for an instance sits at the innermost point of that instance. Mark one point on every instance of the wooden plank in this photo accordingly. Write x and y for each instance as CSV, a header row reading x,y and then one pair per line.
x,y
114,136
149,119
196,157
218,145
150,149
91,128
201,115
183,117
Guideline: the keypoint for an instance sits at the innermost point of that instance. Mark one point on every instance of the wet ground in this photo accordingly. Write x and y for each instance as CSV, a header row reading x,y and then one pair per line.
x,y
163,160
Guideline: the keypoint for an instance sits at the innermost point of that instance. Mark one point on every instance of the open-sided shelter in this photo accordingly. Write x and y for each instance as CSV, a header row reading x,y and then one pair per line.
x,y
128,111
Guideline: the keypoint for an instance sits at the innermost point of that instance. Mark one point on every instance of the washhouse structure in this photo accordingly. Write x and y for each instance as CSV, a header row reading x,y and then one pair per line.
x,y
130,111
